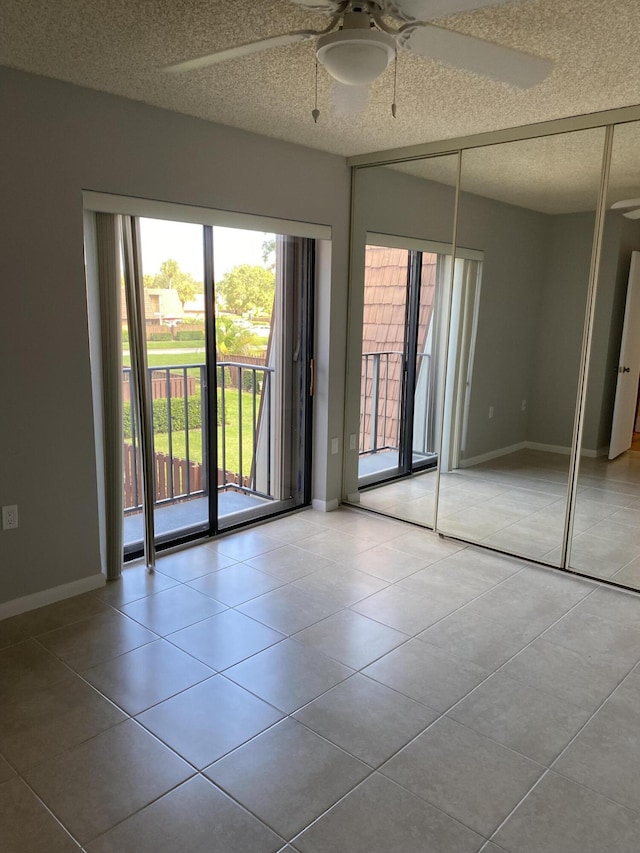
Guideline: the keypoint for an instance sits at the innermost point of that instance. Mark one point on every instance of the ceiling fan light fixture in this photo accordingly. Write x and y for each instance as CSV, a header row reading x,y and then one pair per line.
x,y
356,57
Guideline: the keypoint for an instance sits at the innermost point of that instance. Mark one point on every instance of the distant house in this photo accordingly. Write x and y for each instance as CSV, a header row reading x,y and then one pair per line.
x,y
162,307
194,309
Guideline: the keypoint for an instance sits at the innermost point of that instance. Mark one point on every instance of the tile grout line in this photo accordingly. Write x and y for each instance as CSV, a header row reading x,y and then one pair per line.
x,y
376,770
346,607
132,718
549,768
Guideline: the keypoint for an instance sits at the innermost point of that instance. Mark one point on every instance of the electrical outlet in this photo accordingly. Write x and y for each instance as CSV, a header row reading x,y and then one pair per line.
x,y
335,446
352,441
9,517
490,412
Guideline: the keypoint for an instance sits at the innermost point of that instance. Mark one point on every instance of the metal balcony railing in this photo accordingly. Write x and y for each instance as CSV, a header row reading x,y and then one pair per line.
x,y
381,398
179,410
256,380
380,401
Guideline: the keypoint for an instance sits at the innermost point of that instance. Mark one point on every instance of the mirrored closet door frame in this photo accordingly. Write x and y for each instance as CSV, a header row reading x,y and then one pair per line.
x,y
456,147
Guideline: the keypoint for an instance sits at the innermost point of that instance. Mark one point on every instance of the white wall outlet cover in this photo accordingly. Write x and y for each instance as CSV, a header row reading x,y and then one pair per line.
x,y
9,517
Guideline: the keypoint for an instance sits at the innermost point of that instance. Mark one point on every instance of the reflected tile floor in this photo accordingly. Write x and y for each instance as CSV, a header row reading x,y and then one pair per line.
x,y
516,503
335,684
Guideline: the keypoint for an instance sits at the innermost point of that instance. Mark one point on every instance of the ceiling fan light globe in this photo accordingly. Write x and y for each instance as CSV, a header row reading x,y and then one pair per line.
x,y
356,58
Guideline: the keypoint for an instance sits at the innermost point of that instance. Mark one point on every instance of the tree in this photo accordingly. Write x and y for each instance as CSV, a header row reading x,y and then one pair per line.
x,y
269,251
232,339
186,288
172,277
169,274
248,289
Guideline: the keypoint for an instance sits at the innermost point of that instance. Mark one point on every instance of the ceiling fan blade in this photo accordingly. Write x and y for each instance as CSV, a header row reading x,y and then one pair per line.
x,y
627,202
503,64
429,10
331,6
632,214
240,50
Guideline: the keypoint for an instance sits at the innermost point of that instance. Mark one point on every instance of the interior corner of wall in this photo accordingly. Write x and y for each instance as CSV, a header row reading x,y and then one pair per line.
x,y
325,506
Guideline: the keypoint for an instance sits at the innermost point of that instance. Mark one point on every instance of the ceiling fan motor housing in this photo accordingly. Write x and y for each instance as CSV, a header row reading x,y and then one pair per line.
x,y
356,54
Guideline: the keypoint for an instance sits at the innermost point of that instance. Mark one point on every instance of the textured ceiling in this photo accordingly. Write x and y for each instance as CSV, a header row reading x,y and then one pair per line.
x,y
553,174
119,46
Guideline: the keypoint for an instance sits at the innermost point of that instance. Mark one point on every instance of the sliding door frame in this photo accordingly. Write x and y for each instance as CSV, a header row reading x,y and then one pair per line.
x,y
128,210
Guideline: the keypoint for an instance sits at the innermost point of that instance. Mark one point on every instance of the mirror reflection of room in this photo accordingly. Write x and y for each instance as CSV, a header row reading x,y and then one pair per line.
x,y
405,280
605,541
509,317
529,206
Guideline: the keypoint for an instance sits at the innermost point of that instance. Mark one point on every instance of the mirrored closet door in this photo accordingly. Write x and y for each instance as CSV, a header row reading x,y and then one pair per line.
x,y
403,219
606,522
527,209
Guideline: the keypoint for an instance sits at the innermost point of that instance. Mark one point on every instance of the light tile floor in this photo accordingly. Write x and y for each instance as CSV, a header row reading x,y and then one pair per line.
x,y
516,503
325,683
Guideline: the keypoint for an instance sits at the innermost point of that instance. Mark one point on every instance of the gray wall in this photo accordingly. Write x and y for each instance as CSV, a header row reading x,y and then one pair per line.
x,y
513,240
57,140
560,331
558,343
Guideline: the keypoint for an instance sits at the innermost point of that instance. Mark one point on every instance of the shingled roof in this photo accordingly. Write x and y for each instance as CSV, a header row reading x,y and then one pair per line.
x,y
383,331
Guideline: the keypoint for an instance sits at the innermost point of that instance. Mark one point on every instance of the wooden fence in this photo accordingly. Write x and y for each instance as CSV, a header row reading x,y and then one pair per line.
x,y
159,386
188,477
232,374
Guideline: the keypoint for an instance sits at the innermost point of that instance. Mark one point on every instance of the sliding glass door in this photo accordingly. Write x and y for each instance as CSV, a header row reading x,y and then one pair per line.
x,y
399,364
227,328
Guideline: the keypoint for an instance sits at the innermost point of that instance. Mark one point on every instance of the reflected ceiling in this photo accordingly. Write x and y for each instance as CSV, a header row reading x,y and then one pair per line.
x,y
118,46
555,174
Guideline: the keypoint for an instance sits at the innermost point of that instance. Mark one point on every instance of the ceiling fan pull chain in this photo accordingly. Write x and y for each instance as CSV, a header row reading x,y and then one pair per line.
x,y
315,112
395,80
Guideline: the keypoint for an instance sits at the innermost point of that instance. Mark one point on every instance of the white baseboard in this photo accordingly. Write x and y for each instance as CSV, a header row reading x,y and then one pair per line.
x,y
325,506
492,454
595,454
50,596
530,445
354,498
547,448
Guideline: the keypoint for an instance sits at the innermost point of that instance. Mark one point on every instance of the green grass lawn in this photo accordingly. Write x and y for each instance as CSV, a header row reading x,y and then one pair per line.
x,y
231,436
173,345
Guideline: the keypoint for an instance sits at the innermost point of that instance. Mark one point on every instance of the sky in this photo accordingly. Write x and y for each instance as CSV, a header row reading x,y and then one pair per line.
x,y
182,241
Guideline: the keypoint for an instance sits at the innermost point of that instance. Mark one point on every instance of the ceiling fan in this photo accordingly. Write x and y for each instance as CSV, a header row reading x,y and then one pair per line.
x,y
630,205
358,43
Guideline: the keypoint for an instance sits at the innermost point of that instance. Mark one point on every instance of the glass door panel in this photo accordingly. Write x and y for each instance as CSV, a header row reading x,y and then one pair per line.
x,y
401,354
423,438
384,343
235,354
173,274
263,350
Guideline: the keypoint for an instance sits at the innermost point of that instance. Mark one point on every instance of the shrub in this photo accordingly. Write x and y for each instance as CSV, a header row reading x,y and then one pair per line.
x,y
252,380
161,415
160,336
190,335
227,377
